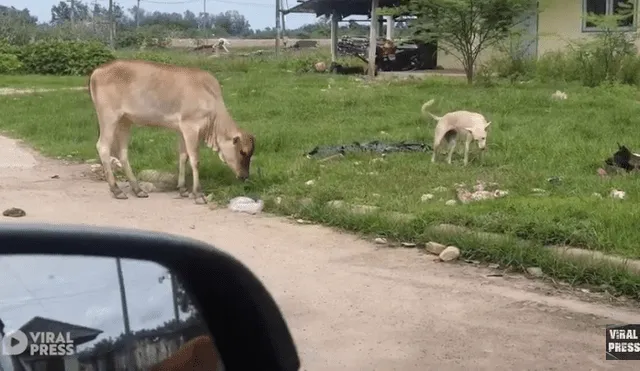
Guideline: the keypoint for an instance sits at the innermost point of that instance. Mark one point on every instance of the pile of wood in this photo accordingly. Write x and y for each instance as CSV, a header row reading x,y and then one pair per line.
x,y
349,45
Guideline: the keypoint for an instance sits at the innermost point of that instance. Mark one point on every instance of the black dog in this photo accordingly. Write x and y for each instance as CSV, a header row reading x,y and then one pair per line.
x,y
624,159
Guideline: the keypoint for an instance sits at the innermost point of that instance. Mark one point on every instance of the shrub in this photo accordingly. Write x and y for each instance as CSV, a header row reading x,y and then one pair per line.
x,y
55,57
9,64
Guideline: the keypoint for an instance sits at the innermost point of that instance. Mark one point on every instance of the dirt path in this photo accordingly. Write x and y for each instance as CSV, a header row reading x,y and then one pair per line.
x,y
350,305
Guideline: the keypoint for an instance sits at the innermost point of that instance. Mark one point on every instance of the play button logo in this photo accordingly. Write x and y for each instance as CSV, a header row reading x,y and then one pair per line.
x,y
14,343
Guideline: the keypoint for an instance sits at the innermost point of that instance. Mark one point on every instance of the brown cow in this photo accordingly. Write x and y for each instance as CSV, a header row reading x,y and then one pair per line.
x,y
186,100
198,354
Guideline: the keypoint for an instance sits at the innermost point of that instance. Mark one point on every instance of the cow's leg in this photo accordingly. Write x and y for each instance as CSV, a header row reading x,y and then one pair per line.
x,y
191,141
122,136
108,125
182,167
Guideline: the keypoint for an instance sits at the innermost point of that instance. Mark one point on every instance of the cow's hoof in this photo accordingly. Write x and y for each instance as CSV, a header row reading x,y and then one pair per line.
x,y
119,194
184,192
141,194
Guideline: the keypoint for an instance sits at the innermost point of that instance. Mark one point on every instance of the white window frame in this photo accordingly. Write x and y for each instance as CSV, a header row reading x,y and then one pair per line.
x,y
609,11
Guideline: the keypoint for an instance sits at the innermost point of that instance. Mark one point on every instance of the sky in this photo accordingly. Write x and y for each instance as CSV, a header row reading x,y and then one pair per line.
x,y
83,291
259,13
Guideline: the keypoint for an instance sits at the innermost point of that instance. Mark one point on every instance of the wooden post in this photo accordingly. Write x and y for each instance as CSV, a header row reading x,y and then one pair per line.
x,y
277,26
334,36
373,39
390,27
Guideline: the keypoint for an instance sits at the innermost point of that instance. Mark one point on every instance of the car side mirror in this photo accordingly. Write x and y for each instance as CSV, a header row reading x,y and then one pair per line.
x,y
236,320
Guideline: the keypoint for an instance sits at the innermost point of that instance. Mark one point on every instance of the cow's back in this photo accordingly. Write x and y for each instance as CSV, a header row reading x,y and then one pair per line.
x,y
153,93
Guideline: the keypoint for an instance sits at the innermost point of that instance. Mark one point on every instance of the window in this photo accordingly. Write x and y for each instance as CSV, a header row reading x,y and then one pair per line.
x,y
609,7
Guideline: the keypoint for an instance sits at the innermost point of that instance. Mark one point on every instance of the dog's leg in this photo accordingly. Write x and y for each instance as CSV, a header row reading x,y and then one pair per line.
x,y
437,139
467,143
452,148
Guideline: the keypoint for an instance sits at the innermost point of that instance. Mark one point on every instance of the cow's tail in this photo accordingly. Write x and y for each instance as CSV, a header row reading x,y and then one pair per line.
x,y
425,111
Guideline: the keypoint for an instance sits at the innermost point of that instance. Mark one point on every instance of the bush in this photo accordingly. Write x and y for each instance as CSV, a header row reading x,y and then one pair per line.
x,y
9,64
64,57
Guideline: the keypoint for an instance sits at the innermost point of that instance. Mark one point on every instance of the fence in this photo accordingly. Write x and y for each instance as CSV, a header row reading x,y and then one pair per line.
x,y
145,351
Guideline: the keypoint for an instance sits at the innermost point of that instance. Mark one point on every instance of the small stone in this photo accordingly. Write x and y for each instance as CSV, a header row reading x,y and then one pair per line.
x,y
380,241
602,172
618,194
301,221
586,291
408,244
426,197
434,247
449,254
494,266
451,203
148,187
14,212
310,182
55,177
535,271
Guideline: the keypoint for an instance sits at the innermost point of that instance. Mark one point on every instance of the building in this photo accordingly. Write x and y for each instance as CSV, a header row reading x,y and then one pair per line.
x,y
550,27
78,334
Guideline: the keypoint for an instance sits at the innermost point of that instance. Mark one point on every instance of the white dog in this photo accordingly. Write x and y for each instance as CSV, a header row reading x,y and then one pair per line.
x,y
470,125
223,43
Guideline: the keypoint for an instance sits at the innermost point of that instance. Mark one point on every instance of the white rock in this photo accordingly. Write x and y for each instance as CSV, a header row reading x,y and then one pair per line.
x,y
434,247
618,194
310,182
559,95
535,271
449,254
408,244
148,187
246,205
451,203
278,200
380,241
426,197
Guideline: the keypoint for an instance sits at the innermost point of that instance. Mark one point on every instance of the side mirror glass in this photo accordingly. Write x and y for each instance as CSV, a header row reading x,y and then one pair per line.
x,y
99,314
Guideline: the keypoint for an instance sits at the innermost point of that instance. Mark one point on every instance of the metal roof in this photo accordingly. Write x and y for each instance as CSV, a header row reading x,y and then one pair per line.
x,y
78,334
344,8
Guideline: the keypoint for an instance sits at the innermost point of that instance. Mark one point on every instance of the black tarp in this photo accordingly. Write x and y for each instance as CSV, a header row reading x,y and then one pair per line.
x,y
373,146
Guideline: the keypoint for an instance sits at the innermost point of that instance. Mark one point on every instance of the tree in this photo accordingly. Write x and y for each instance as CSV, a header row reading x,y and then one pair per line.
x,y
465,28
16,26
232,22
62,12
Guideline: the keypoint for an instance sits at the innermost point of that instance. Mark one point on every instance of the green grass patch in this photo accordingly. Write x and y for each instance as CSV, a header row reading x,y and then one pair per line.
x,y
36,81
532,138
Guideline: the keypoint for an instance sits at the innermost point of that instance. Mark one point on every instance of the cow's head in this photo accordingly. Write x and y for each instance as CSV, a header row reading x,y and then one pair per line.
x,y
237,152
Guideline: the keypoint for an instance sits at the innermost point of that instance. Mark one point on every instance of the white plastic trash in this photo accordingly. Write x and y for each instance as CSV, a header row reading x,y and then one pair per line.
x,y
246,205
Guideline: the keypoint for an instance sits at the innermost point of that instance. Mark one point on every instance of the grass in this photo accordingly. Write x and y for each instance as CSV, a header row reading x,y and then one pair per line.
x,y
532,139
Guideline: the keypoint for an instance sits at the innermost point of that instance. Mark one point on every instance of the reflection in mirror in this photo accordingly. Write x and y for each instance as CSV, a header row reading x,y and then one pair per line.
x,y
75,313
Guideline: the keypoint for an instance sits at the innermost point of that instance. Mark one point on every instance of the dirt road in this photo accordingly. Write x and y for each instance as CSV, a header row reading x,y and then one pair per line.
x,y
350,305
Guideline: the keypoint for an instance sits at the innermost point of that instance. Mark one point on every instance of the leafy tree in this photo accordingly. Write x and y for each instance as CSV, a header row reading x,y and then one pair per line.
x,y
62,12
16,26
232,23
464,28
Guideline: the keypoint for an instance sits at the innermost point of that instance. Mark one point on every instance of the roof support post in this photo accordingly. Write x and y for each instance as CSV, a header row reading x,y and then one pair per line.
x,y
373,38
390,26
335,17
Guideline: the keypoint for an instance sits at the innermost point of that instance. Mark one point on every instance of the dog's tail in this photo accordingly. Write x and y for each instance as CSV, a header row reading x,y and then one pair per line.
x,y
425,112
